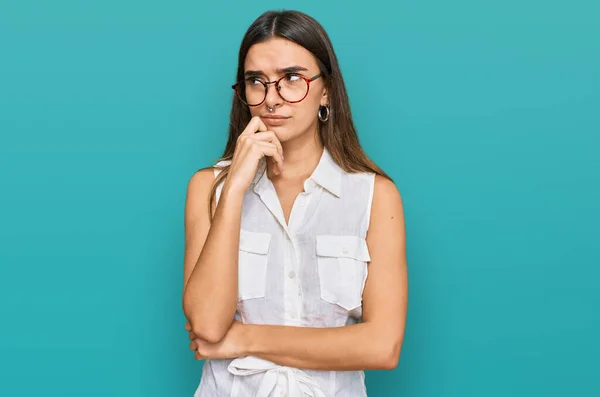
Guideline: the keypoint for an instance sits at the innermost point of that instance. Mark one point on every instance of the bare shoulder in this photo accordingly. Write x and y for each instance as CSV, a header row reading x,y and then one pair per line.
x,y
198,193
201,181
386,232
387,200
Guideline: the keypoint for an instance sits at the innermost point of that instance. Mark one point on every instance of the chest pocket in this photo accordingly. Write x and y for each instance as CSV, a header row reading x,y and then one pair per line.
x,y
342,263
252,264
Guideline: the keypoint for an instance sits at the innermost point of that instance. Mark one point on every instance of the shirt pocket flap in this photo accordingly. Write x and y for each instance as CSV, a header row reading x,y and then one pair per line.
x,y
255,242
343,247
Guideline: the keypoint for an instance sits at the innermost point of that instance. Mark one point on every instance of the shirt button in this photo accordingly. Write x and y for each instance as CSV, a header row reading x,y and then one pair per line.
x,y
345,250
292,274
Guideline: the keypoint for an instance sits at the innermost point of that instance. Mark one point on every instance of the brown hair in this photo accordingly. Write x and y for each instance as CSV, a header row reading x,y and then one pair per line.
x,y
338,133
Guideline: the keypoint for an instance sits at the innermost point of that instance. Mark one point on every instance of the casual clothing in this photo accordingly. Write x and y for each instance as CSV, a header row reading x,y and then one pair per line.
x,y
310,272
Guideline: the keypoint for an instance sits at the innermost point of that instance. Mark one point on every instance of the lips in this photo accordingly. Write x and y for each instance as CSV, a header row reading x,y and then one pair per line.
x,y
274,120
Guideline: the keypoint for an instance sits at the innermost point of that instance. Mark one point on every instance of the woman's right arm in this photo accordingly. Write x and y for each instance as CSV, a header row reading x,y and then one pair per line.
x,y
210,261
211,250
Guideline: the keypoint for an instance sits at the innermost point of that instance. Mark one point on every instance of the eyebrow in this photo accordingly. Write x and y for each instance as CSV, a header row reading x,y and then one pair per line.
x,y
289,69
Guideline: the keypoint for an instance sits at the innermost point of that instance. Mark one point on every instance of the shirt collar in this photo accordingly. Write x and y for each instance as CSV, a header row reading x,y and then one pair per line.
x,y
327,174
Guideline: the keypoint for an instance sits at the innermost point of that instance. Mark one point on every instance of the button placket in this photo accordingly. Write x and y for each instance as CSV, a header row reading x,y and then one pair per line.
x,y
297,283
292,305
292,284
288,307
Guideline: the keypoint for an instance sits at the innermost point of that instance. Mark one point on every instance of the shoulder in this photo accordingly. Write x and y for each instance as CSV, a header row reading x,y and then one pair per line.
x,y
201,183
387,200
203,179
386,189
359,182
198,191
383,187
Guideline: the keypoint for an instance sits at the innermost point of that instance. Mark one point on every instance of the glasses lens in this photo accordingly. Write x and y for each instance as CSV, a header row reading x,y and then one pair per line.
x,y
293,88
252,91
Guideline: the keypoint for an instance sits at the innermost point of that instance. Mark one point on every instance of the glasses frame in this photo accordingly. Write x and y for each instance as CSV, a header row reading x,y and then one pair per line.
x,y
236,87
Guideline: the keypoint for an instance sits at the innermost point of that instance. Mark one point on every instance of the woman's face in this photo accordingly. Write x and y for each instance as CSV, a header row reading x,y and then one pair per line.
x,y
266,61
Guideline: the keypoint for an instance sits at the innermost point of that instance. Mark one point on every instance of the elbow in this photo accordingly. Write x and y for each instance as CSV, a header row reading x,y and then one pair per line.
x,y
206,330
202,327
210,335
391,361
389,356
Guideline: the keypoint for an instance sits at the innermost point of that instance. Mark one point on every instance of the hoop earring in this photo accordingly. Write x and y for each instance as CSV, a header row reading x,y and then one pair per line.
x,y
321,110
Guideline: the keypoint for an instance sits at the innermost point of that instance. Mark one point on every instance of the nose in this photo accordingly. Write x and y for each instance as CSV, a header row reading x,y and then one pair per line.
x,y
273,99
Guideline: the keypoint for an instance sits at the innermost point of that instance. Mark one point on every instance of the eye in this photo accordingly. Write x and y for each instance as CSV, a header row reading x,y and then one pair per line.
x,y
253,81
293,77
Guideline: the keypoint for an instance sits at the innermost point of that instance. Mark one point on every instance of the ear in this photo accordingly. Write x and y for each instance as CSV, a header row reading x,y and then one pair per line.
x,y
324,98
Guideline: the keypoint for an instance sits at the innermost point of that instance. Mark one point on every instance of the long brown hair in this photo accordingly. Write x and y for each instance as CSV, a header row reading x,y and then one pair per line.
x,y
338,133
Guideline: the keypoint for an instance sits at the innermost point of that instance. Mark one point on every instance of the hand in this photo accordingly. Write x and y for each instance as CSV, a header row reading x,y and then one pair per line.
x,y
231,346
254,143
188,328
194,339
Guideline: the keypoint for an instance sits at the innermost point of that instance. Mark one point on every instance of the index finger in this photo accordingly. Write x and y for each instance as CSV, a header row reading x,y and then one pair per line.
x,y
255,124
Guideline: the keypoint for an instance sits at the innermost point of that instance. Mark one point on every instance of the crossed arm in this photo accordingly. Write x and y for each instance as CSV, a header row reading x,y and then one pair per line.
x,y
373,344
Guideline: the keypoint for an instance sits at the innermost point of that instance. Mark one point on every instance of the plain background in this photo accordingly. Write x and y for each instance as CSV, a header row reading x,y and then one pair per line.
x,y
486,114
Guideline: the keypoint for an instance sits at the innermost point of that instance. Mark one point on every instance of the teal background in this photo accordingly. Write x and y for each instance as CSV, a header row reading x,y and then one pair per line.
x,y
486,115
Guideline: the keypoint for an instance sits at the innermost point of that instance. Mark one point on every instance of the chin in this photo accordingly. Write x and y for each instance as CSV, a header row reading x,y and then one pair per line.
x,y
282,133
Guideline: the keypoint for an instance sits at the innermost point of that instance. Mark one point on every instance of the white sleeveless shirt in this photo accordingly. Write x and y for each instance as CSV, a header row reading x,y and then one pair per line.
x,y
310,272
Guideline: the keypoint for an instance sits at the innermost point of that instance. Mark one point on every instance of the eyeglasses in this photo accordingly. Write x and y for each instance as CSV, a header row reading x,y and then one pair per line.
x,y
291,88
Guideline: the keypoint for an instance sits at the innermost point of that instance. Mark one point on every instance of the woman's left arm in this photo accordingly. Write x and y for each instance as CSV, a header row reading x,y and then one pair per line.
x,y
373,344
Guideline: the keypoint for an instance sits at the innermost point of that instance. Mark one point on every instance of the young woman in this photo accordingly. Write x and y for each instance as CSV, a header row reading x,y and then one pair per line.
x,y
295,274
